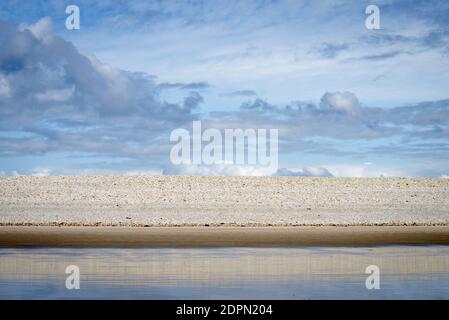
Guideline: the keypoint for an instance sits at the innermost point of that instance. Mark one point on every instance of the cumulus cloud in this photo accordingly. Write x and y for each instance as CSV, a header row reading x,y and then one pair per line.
x,y
258,104
369,171
82,170
305,172
42,29
340,115
340,126
41,172
218,170
62,100
35,172
345,102
143,173
39,69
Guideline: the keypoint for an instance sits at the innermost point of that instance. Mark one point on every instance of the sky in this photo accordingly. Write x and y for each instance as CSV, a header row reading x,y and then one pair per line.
x,y
103,99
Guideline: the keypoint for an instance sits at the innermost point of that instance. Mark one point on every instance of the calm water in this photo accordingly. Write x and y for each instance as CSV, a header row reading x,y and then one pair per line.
x,y
406,272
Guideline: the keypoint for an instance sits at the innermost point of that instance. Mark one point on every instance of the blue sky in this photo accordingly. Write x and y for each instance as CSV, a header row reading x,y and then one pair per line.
x,y
348,101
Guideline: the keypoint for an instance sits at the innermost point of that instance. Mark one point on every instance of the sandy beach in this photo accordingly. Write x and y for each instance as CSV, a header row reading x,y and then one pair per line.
x,y
224,211
222,201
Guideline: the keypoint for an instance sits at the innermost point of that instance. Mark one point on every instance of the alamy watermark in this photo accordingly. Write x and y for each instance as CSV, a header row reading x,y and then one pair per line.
x,y
372,22
373,280
73,21
73,279
229,146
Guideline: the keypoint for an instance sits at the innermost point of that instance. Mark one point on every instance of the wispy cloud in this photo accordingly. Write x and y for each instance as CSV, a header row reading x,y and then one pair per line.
x,y
331,50
242,93
185,86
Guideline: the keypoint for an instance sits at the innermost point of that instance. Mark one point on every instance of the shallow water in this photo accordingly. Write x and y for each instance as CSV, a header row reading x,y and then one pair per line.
x,y
406,272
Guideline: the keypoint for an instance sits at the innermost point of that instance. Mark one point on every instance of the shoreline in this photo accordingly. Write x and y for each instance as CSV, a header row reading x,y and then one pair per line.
x,y
220,225
41,236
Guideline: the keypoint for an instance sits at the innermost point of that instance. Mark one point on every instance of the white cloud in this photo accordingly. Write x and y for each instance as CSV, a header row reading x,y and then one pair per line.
x,y
56,95
218,170
35,172
5,88
143,173
305,172
42,29
41,172
364,171
345,102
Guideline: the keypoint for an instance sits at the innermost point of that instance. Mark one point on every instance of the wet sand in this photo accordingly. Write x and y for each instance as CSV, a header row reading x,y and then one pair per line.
x,y
219,236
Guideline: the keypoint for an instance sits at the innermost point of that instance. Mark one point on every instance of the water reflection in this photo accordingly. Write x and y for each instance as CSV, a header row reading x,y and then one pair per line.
x,y
407,272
